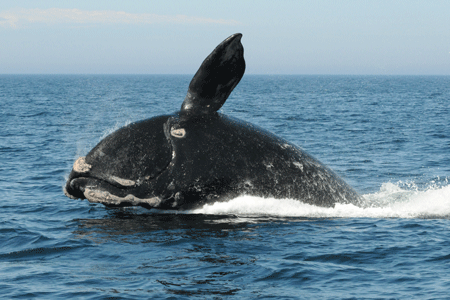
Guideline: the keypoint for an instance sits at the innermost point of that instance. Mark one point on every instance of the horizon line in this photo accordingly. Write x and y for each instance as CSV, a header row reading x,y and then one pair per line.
x,y
192,74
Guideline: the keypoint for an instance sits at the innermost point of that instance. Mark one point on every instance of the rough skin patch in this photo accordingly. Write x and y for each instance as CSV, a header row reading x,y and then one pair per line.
x,y
298,165
105,197
123,182
81,166
178,133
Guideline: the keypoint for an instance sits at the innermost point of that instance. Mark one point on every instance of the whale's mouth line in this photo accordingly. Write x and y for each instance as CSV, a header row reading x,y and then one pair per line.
x,y
100,191
77,186
104,197
116,182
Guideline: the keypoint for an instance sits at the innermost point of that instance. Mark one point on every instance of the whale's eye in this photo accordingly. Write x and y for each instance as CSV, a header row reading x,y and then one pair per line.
x,y
178,132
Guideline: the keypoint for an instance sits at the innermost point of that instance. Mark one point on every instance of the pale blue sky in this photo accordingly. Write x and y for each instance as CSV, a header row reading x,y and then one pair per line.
x,y
173,37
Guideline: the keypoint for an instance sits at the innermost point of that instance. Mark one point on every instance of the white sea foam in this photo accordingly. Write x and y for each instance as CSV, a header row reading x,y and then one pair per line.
x,y
391,201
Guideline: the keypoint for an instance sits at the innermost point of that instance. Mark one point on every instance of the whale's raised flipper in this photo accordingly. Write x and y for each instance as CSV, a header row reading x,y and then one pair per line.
x,y
216,78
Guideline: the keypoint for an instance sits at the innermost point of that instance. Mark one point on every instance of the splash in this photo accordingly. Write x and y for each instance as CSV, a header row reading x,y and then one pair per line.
x,y
391,201
117,126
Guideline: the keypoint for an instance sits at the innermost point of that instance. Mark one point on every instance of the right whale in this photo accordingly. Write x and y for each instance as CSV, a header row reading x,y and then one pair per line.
x,y
197,155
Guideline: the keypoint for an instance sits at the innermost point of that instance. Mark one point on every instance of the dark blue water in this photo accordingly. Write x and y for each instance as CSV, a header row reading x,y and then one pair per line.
x,y
387,136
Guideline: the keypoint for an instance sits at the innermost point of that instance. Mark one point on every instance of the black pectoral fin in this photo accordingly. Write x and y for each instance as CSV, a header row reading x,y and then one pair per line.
x,y
216,78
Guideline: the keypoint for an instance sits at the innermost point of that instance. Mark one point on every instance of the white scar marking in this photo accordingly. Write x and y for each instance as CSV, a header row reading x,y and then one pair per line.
x,y
105,197
178,133
298,165
81,166
123,182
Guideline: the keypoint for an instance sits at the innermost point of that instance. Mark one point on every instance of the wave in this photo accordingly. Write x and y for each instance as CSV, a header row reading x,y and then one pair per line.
x,y
398,200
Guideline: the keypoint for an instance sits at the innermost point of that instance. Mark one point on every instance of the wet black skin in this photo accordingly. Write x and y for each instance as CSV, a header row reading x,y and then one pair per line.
x,y
199,156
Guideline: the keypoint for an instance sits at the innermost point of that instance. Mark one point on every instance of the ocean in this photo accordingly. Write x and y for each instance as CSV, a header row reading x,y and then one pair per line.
x,y
387,136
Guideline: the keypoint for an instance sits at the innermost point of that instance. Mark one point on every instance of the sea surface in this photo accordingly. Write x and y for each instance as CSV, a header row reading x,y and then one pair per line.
x,y
387,136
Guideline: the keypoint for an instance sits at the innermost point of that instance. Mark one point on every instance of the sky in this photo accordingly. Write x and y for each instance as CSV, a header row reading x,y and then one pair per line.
x,y
173,37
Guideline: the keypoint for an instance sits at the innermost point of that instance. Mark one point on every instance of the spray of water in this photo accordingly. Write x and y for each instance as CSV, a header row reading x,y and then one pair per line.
x,y
391,201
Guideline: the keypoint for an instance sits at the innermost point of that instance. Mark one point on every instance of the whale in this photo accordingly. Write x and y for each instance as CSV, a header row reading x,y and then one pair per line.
x,y
197,155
